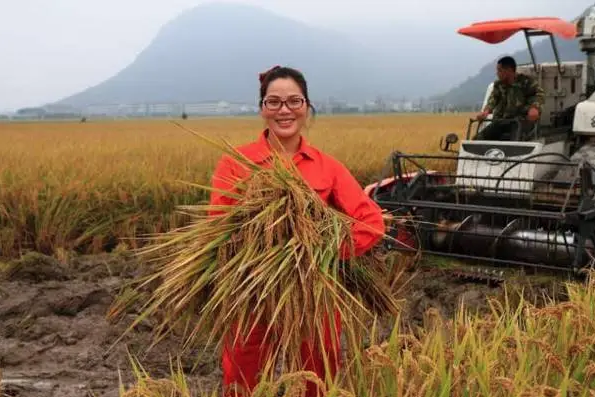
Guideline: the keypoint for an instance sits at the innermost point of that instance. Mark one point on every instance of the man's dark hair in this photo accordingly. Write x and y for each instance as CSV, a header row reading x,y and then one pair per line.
x,y
277,72
507,62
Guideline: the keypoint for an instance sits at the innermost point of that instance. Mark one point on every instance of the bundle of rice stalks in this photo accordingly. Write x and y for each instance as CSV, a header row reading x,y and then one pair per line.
x,y
272,258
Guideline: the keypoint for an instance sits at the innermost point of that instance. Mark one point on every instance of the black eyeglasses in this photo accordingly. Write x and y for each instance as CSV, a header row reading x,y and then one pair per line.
x,y
275,103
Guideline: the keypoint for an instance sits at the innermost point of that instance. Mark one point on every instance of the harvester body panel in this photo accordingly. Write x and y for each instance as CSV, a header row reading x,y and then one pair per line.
x,y
481,164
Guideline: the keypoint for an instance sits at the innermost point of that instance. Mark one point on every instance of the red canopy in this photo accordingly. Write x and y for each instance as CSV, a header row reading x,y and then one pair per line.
x,y
499,30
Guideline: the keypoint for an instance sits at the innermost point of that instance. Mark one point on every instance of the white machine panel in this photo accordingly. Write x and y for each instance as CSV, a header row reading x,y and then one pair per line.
x,y
484,173
584,118
562,88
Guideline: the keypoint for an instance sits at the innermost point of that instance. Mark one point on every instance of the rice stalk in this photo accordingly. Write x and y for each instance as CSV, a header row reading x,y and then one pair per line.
x,y
146,386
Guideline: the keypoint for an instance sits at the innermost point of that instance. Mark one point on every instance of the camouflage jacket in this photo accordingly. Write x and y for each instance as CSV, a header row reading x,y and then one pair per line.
x,y
510,101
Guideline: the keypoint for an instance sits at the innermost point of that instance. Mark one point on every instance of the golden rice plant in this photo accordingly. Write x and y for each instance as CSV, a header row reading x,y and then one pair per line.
x,y
178,385
145,386
273,258
517,349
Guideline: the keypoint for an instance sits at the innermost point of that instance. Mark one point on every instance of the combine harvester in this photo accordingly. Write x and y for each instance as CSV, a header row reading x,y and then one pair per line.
x,y
525,202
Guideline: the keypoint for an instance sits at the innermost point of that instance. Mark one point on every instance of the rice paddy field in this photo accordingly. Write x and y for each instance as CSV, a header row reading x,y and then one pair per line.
x,y
75,198
85,186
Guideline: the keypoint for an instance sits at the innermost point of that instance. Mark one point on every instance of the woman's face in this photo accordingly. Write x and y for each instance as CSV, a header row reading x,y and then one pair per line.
x,y
284,108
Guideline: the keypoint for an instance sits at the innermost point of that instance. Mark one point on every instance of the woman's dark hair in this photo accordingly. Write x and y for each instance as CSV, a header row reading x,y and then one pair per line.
x,y
280,72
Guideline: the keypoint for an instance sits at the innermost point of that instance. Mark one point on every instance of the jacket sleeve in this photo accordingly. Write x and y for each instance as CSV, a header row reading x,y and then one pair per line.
x,y
349,197
223,179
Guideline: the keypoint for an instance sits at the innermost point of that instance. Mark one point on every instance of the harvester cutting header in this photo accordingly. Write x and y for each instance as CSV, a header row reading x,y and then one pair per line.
x,y
518,195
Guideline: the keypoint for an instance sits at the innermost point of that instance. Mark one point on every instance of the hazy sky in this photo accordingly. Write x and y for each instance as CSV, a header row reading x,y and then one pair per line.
x,y
53,48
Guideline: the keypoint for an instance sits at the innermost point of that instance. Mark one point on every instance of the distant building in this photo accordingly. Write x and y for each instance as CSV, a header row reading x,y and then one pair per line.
x,y
331,105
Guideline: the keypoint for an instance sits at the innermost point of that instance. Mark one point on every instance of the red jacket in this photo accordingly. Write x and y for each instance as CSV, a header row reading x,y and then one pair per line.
x,y
327,176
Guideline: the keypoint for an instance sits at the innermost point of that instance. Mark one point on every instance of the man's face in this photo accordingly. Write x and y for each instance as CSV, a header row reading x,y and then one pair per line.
x,y
505,75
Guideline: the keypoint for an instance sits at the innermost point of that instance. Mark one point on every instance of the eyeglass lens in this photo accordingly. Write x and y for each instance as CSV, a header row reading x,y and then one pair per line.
x,y
275,103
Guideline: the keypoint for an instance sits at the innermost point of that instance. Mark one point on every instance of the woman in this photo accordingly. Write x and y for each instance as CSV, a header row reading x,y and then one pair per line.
x,y
285,107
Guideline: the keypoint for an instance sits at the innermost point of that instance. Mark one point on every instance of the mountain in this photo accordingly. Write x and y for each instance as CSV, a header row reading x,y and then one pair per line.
x,y
215,52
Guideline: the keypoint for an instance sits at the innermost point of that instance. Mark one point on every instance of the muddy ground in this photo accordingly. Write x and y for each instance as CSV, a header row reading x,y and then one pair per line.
x,y
55,339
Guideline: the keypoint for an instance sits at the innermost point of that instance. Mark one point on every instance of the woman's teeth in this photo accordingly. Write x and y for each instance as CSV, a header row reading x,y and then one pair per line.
x,y
284,123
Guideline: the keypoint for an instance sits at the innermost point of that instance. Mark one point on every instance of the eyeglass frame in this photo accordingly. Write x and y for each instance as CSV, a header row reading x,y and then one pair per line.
x,y
284,102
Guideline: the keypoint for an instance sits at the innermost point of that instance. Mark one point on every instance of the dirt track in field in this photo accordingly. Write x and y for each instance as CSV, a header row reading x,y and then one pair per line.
x,y
54,337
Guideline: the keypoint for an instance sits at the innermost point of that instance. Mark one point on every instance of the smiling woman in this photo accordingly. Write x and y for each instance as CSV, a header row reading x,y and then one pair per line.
x,y
285,108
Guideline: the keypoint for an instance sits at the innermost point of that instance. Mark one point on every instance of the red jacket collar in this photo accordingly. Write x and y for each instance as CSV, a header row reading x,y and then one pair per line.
x,y
260,151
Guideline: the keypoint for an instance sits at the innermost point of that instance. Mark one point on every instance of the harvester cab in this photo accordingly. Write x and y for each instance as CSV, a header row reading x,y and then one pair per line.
x,y
527,200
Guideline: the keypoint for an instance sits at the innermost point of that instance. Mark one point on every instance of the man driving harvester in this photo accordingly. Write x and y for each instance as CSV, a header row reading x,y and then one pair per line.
x,y
514,96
